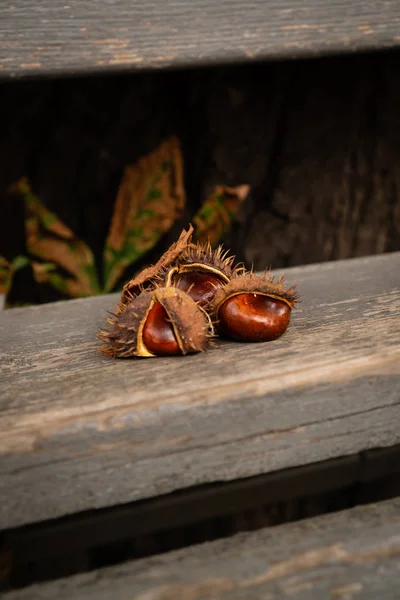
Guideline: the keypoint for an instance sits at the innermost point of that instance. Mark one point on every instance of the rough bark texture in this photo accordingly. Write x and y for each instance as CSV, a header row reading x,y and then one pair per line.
x,y
318,141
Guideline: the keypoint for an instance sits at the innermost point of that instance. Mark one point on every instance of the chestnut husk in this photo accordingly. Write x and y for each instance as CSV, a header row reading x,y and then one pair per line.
x,y
200,272
194,268
191,325
149,278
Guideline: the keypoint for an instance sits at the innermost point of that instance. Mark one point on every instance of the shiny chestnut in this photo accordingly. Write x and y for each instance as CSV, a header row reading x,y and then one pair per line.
x,y
201,286
253,309
201,272
158,333
162,322
196,269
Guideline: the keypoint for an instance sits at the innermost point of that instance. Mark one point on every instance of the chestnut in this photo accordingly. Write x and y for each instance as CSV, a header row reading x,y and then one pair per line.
x,y
201,271
161,322
194,268
252,308
158,334
171,308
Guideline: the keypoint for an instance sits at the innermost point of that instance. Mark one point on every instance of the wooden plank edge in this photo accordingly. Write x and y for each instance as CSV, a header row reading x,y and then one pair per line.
x,y
342,555
54,38
111,437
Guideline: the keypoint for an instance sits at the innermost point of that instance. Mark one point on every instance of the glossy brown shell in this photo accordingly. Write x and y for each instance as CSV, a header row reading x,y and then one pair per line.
x,y
191,325
255,284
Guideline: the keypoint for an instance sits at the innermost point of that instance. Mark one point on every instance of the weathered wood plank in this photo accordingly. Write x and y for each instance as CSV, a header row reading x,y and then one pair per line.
x,y
54,37
314,489
80,431
350,554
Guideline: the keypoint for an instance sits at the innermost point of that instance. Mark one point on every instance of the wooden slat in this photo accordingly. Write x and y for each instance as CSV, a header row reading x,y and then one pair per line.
x,y
350,554
301,492
80,431
77,36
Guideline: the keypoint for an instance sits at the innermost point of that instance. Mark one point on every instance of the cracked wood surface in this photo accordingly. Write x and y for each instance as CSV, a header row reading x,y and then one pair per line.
x,y
347,555
80,431
54,37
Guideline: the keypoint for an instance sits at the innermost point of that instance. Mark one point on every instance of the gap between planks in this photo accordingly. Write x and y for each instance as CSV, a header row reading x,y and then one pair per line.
x,y
350,554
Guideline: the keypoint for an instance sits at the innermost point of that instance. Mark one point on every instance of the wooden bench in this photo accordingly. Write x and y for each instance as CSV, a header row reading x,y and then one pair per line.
x,y
97,452
79,37
328,388
71,419
350,554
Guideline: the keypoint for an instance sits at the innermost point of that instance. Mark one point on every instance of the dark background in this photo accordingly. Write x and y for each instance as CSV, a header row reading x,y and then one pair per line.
x,y
317,140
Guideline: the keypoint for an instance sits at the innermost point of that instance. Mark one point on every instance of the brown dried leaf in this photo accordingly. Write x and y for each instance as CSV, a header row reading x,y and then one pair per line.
x,y
8,270
52,241
6,275
150,198
217,213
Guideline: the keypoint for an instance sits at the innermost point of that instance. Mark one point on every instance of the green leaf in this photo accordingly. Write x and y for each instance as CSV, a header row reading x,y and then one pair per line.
x,y
215,217
19,262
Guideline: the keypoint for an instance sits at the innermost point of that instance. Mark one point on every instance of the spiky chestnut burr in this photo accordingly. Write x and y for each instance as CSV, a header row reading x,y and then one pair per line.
x,y
193,268
149,278
161,322
253,308
200,272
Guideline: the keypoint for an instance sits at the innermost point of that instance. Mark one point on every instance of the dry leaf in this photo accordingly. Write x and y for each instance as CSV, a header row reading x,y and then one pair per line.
x,y
133,287
6,275
150,198
49,239
215,217
7,271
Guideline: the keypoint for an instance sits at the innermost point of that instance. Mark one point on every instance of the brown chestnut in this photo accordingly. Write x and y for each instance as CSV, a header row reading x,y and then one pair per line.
x,y
200,272
158,334
201,287
254,318
253,309
194,268
162,322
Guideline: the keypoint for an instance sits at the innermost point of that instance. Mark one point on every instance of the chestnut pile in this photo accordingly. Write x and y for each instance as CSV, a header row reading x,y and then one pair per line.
x,y
191,294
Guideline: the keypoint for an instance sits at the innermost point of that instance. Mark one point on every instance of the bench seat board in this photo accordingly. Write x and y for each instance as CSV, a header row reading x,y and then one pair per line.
x,y
57,37
80,431
347,555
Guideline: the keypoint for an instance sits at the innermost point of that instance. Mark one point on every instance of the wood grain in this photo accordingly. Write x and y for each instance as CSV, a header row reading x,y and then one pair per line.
x,y
348,555
80,431
81,36
204,513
